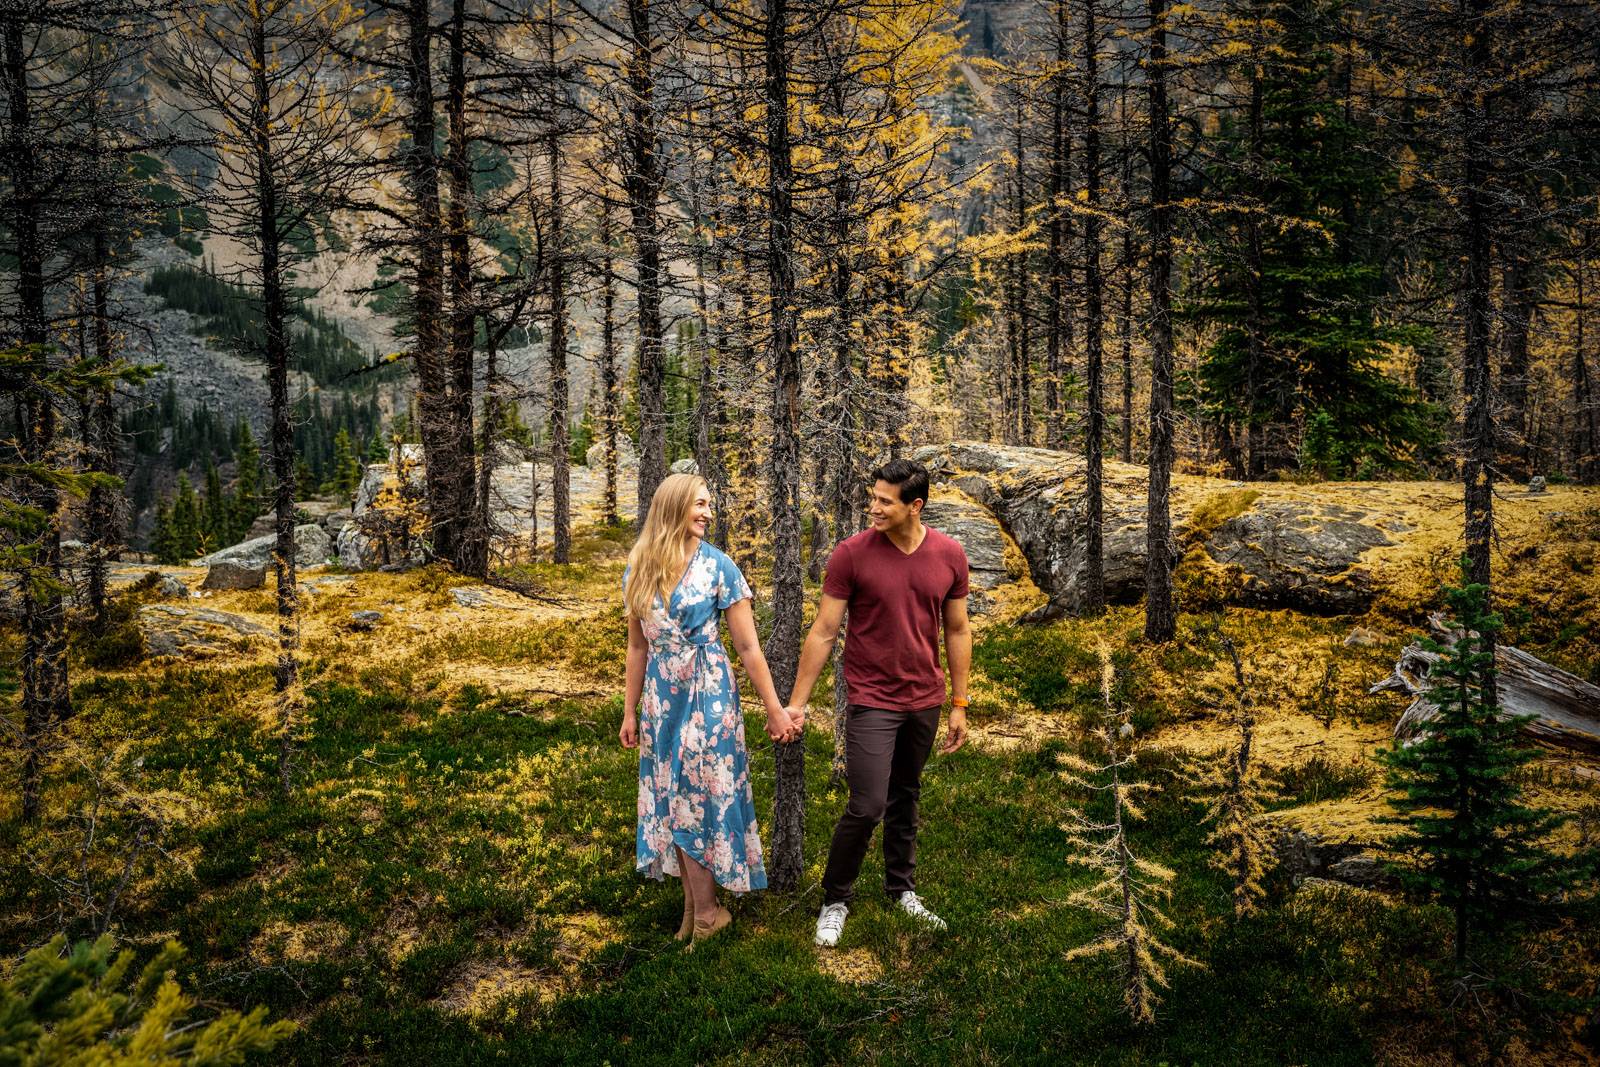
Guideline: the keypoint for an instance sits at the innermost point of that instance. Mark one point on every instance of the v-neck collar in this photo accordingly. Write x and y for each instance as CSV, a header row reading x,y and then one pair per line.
x,y
903,553
687,567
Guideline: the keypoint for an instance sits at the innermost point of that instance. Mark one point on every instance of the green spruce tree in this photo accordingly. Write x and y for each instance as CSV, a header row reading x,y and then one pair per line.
x,y
246,484
187,529
1475,843
163,538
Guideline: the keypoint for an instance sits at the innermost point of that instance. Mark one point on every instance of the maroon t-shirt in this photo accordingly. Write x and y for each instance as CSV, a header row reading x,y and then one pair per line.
x,y
891,646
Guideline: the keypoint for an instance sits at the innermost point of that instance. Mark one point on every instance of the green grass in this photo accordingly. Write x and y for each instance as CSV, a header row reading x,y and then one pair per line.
x,y
426,837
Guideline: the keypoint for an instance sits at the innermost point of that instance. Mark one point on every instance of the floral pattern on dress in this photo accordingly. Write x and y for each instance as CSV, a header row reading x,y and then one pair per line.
x,y
694,769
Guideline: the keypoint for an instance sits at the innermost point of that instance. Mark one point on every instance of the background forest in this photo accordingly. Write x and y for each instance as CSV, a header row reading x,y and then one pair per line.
x,y
343,348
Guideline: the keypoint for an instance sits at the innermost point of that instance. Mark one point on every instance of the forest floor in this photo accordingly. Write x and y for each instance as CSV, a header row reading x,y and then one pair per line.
x,y
450,880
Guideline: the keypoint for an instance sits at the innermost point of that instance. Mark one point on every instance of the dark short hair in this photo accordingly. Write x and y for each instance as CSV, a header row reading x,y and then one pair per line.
x,y
910,478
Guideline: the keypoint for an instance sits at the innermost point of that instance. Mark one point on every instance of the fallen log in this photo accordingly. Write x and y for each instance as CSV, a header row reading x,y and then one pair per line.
x,y
1565,708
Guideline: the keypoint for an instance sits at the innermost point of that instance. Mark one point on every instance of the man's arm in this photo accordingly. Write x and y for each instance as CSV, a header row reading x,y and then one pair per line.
x,y
958,653
817,649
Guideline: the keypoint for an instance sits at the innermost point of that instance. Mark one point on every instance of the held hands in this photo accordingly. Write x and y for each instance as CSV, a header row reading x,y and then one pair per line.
x,y
786,724
955,731
629,734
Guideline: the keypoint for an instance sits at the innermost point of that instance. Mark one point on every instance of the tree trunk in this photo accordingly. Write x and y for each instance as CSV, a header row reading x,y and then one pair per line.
x,y
434,408
560,443
101,440
610,414
1160,612
643,183
1125,325
472,545
1093,600
275,345
1521,302
1478,469
46,692
1058,318
1582,392
783,646
1255,274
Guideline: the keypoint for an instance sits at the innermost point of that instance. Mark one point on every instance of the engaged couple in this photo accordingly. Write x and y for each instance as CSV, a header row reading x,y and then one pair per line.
x,y
899,582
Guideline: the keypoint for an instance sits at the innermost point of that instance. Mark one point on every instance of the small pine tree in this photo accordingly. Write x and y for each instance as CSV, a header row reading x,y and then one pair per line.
x,y
216,510
1239,836
345,473
70,1007
1321,452
1477,846
163,538
377,451
187,531
1129,889
247,483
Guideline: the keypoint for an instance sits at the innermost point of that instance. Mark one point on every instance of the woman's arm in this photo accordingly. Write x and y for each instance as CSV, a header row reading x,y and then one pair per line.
x,y
638,650
742,628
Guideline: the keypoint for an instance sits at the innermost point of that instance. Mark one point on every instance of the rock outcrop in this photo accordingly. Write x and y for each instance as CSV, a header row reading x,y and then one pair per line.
x,y
312,546
188,632
1273,551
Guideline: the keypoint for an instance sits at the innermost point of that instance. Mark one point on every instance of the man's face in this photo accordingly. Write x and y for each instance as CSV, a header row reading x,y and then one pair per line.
x,y
885,509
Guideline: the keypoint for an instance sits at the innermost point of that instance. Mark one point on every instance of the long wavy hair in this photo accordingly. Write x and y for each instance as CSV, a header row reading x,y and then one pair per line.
x,y
656,561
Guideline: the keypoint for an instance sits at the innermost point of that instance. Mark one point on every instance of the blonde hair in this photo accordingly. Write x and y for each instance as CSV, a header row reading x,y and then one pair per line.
x,y
656,561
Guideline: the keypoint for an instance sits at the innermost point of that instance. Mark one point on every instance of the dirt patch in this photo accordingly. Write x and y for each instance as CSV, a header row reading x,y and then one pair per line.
x,y
480,984
284,942
852,966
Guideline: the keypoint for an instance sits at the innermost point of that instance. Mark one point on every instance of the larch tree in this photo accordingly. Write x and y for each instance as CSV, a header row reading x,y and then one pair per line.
x,y
261,84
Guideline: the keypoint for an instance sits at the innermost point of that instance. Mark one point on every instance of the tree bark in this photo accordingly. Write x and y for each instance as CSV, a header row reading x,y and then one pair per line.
x,y
46,691
609,399
783,646
275,345
643,184
472,545
1094,582
560,441
434,408
1160,612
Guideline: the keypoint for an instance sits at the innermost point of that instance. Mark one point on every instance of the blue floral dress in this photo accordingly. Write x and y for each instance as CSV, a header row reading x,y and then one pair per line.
x,y
694,771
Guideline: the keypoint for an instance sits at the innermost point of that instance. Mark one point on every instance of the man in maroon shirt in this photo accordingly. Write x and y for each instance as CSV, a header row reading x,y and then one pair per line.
x,y
899,580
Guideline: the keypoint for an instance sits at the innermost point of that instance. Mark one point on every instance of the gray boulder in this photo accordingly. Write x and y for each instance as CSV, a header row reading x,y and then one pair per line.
x,y
979,534
226,574
195,632
1280,552
174,588
685,466
312,545
365,620
1300,555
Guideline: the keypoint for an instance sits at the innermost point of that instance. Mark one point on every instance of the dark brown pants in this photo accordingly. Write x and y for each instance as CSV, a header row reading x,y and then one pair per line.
x,y
885,752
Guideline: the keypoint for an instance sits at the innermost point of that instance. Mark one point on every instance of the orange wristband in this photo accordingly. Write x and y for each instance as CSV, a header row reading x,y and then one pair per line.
x,y
957,702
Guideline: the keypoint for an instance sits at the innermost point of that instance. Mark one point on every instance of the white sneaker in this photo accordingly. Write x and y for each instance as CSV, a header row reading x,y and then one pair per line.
x,y
914,907
830,924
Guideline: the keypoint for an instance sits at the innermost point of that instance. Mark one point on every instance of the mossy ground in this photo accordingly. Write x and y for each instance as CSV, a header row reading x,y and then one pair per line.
x,y
450,881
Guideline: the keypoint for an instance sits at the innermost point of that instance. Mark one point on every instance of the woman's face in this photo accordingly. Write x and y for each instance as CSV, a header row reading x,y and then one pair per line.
x,y
700,514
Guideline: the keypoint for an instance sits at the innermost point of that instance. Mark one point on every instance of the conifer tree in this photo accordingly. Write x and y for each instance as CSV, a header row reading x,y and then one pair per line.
x,y
1239,835
77,1005
1476,844
1128,890
188,531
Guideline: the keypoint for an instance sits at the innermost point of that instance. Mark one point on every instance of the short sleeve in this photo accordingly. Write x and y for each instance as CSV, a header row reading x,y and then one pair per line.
x,y
958,564
731,586
839,581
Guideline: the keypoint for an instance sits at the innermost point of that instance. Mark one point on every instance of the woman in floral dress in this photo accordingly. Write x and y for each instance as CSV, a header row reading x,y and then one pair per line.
x,y
681,709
